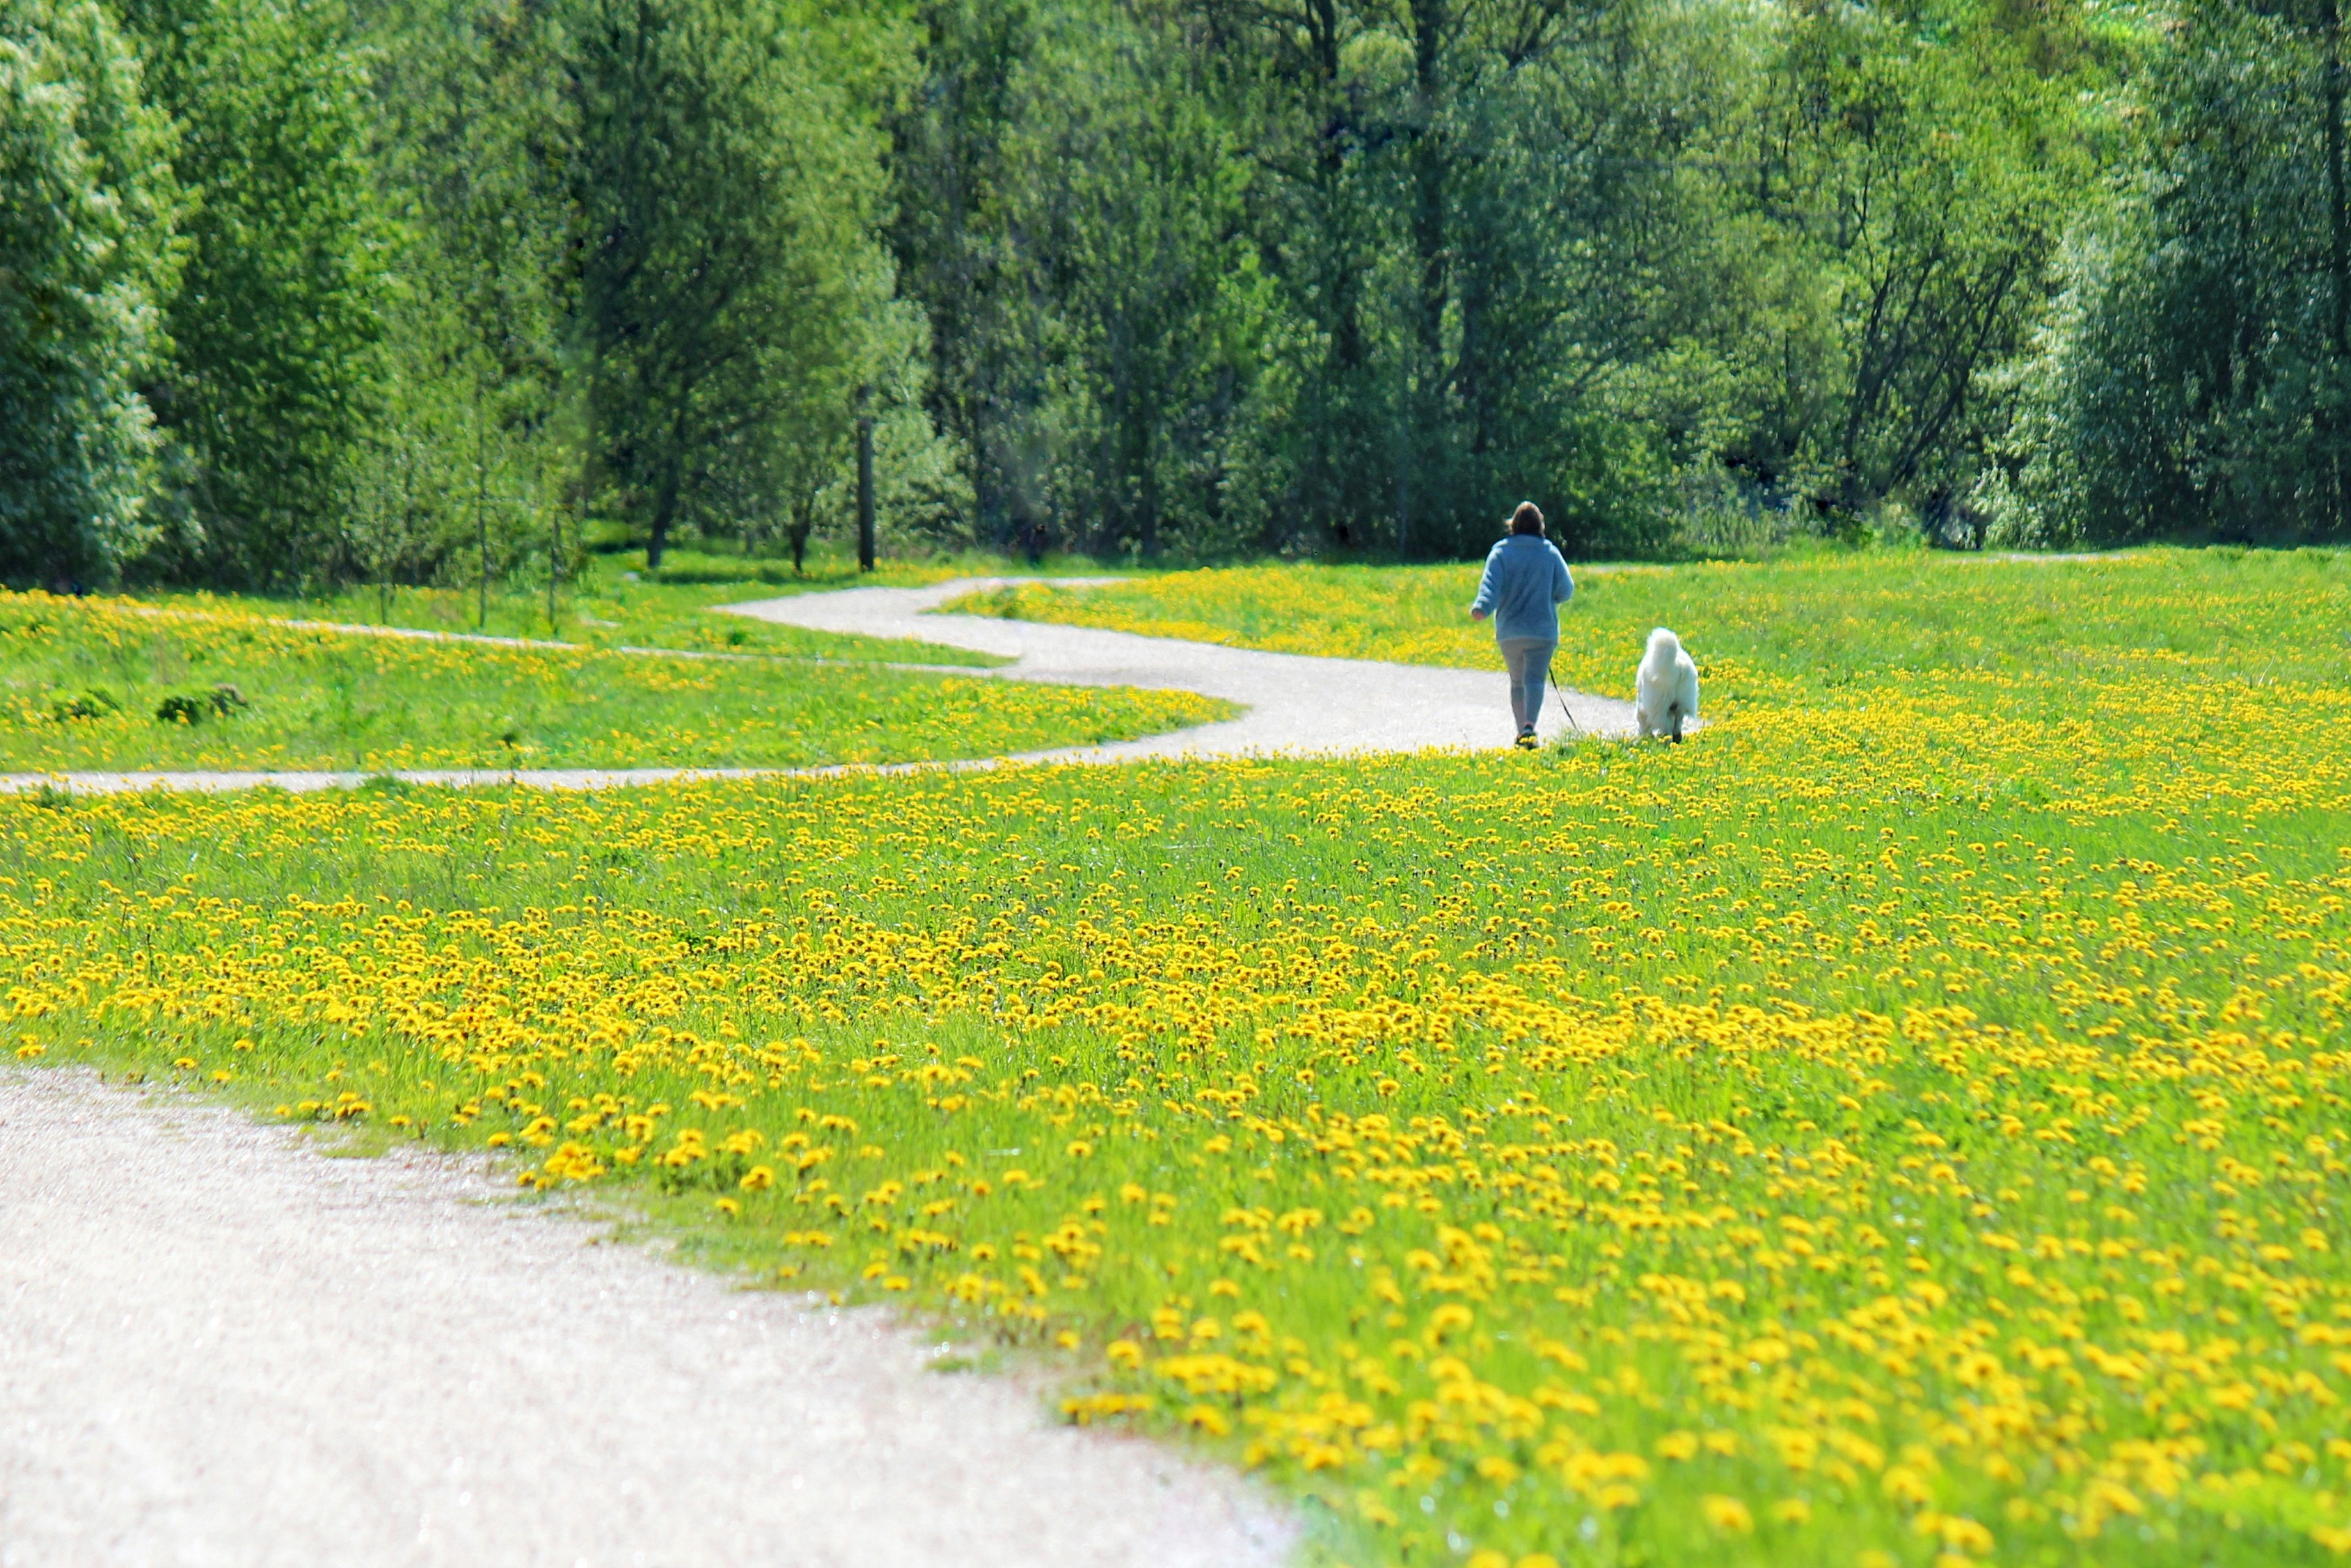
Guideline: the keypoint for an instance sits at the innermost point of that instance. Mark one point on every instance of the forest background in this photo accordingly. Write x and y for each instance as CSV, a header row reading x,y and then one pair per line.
x,y
296,293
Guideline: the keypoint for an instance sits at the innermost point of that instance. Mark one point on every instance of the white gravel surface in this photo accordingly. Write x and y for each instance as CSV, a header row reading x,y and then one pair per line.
x,y
222,1348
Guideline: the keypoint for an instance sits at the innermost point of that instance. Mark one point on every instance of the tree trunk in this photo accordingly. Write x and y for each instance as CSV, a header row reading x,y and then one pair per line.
x,y
1148,503
864,488
664,514
482,503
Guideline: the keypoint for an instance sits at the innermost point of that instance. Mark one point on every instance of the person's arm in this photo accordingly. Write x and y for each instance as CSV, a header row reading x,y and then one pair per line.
x,y
1562,585
1484,604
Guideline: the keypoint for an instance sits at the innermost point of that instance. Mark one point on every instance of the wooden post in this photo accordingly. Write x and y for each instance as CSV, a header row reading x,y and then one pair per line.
x,y
864,485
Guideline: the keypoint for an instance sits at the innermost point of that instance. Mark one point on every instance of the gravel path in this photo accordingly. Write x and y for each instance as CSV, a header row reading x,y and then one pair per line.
x,y
222,1348
1296,703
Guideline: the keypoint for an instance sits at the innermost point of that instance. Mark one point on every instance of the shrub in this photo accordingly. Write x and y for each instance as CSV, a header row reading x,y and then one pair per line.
x,y
95,703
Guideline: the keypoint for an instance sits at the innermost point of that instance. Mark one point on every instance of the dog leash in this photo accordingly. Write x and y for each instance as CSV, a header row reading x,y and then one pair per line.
x,y
1567,710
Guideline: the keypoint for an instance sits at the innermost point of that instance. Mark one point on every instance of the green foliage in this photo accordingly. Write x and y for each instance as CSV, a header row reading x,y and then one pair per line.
x,y
723,178
2197,379
1182,280
280,369
1299,275
95,703
472,471
1926,166
87,259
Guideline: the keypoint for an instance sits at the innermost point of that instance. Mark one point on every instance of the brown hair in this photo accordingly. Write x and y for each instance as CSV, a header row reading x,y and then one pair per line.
x,y
1527,520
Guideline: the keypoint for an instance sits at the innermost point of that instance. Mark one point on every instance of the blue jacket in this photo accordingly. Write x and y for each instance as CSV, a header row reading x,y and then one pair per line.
x,y
1525,581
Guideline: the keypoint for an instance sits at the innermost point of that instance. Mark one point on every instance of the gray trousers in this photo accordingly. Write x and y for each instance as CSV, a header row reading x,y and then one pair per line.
x,y
1528,661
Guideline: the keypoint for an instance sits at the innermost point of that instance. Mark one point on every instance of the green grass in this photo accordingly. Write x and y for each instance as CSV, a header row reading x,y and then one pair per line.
x,y
611,605
109,684
615,602
834,568
1906,1121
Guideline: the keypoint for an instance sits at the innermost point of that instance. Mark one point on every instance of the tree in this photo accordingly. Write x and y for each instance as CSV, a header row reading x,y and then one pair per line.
x,y
1933,168
954,161
1481,216
1132,211
1306,79
2195,382
87,264
729,186
278,370
474,470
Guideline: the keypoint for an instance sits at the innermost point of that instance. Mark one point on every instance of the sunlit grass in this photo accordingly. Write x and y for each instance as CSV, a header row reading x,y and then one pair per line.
x,y
609,603
100,683
615,602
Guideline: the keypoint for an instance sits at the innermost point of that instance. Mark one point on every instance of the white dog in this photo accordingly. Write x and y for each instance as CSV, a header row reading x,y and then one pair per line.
x,y
1664,689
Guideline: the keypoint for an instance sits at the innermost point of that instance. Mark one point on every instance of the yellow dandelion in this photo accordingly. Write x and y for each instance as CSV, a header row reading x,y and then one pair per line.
x,y
1727,1514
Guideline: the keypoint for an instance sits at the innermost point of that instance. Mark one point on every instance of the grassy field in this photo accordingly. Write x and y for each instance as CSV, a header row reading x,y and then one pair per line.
x,y
1903,1126
104,684
615,602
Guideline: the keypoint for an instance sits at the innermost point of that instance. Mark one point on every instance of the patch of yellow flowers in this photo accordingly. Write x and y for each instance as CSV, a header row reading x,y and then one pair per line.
x,y
1906,1131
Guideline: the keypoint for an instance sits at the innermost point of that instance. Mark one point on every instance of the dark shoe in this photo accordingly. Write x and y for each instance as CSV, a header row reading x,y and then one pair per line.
x,y
1527,741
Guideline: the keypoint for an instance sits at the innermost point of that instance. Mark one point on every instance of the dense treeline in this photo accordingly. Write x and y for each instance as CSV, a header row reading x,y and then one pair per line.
x,y
294,292
1263,274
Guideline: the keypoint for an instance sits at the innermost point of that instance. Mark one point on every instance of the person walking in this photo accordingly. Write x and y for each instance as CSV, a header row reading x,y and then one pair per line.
x,y
1525,583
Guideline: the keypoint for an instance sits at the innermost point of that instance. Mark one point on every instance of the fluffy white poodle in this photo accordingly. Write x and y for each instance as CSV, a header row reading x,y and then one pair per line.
x,y
1664,690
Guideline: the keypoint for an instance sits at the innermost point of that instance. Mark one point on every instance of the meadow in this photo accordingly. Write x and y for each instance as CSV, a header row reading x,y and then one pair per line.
x,y
1903,1126
615,602
110,684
